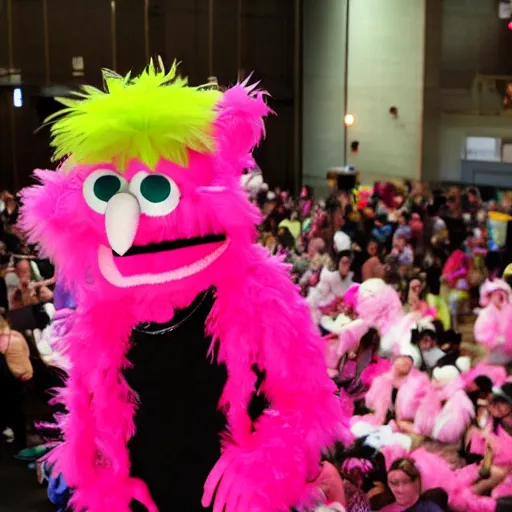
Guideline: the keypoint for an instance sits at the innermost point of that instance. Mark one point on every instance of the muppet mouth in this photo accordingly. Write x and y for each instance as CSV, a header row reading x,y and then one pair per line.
x,y
114,267
171,245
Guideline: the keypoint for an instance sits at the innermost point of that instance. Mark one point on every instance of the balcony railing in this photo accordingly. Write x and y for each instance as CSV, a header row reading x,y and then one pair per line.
x,y
487,97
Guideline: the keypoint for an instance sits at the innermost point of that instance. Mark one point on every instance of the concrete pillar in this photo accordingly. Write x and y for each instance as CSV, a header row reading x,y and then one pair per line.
x,y
386,60
432,97
323,65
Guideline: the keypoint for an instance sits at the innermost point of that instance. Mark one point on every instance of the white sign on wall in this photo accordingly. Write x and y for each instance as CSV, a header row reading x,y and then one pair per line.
x,y
483,149
505,10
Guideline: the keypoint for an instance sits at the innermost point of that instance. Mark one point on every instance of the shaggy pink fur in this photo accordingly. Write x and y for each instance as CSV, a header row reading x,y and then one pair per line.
x,y
411,395
350,297
350,336
379,305
377,368
497,374
258,318
454,419
492,328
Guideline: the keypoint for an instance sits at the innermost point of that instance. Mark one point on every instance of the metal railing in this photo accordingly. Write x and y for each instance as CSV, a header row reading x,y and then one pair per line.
x,y
486,97
492,94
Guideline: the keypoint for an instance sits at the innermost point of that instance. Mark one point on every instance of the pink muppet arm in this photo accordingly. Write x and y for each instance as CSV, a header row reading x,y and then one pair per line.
x,y
93,457
262,320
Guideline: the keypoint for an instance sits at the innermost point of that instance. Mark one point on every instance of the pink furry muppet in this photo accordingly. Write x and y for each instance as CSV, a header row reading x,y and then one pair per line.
x,y
186,332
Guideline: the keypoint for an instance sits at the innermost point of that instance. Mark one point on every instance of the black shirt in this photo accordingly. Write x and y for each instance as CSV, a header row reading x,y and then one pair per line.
x,y
177,423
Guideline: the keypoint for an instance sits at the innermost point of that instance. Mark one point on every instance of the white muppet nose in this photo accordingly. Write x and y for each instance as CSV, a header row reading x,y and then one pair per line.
x,y
121,221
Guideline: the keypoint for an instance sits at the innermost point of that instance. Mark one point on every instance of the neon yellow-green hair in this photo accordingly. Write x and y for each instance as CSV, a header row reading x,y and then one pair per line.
x,y
154,115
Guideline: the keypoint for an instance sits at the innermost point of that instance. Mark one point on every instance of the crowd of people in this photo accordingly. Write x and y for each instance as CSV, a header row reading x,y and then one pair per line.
x,y
26,307
391,275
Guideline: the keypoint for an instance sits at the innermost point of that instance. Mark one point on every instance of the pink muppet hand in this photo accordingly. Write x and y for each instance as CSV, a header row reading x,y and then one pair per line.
x,y
113,494
268,475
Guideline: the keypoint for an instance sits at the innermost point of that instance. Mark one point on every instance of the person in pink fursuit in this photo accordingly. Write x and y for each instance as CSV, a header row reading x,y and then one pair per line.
x,y
335,325
349,332
452,402
379,306
448,410
492,326
196,379
397,395
346,342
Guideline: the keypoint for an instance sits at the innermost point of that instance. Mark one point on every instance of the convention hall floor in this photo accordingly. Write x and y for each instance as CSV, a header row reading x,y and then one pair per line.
x,y
19,489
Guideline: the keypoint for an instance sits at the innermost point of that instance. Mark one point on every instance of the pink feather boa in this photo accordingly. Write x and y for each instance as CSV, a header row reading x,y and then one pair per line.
x,y
273,464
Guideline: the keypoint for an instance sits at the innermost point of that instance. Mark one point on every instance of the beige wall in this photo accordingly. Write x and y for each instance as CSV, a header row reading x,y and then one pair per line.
x,y
466,37
386,68
475,40
323,88
418,55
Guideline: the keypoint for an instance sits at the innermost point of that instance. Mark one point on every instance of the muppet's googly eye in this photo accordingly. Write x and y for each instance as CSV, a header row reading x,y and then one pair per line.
x,y
100,186
157,194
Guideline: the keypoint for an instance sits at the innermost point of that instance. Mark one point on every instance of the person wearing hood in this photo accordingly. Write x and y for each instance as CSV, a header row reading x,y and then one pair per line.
x,y
492,323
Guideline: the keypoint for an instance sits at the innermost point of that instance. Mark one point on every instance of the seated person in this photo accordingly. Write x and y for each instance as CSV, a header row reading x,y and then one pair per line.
x,y
372,267
397,394
415,298
404,484
330,485
433,297
382,230
15,349
331,286
493,443
425,337
451,343
403,251
28,292
404,229
15,368
455,285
